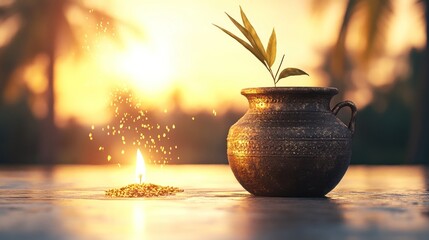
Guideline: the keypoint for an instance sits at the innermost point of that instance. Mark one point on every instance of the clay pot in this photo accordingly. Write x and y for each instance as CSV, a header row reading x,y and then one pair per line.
x,y
290,142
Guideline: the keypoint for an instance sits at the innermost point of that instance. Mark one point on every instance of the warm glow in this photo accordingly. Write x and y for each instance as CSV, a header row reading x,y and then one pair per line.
x,y
147,66
140,168
179,50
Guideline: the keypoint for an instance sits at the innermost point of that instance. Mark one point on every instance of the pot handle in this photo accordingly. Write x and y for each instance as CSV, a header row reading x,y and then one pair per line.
x,y
352,107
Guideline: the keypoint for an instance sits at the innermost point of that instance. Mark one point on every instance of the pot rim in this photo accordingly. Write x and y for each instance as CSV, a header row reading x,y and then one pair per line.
x,y
281,90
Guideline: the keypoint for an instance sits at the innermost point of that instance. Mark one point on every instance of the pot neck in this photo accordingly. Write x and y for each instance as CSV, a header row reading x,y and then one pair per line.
x,y
289,99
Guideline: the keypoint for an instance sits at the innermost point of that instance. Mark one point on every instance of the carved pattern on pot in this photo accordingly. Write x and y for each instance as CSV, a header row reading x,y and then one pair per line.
x,y
295,148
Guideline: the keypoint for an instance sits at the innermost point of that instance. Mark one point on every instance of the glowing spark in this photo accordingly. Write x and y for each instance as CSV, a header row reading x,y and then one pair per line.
x,y
133,125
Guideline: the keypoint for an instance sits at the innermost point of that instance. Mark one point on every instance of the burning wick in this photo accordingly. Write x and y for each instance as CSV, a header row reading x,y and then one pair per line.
x,y
140,167
142,189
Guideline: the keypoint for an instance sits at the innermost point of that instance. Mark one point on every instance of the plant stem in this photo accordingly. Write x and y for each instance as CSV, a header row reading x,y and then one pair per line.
x,y
272,75
278,69
271,72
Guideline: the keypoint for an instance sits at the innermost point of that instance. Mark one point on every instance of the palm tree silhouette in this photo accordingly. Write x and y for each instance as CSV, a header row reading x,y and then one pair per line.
x,y
376,14
43,30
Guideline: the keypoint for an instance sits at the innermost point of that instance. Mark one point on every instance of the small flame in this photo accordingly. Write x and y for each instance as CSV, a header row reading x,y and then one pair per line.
x,y
140,168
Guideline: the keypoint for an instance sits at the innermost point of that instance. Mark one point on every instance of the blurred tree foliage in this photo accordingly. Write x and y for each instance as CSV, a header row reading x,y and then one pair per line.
x,y
43,29
19,131
392,129
384,126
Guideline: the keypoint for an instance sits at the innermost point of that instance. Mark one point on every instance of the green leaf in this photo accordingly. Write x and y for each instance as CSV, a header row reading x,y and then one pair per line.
x,y
245,44
291,72
272,49
256,40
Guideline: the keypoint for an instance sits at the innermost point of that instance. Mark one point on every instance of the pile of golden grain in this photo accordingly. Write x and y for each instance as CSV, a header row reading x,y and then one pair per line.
x,y
142,190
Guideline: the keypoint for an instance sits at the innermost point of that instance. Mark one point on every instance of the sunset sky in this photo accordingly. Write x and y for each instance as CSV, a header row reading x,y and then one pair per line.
x,y
180,50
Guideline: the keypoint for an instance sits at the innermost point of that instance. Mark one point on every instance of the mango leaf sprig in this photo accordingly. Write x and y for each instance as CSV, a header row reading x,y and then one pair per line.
x,y
266,56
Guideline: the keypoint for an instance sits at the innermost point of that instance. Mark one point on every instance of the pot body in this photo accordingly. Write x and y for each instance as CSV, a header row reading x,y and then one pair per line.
x,y
290,142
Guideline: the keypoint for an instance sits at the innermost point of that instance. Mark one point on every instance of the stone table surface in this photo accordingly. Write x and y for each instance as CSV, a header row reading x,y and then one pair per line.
x,y
68,202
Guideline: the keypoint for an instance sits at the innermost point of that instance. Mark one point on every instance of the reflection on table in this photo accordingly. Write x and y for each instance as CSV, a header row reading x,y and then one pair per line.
x,y
68,202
